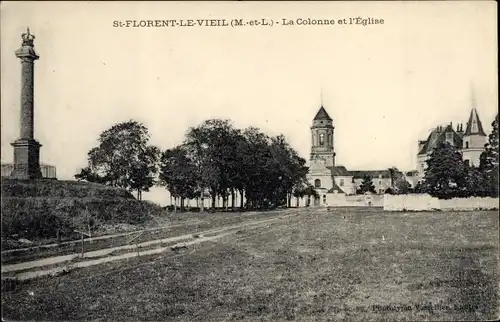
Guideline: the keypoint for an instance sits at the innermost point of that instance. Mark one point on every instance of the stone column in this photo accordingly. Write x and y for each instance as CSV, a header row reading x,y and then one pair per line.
x,y
26,148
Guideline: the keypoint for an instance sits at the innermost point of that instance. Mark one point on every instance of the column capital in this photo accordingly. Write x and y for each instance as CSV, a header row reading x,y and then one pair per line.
x,y
27,50
27,53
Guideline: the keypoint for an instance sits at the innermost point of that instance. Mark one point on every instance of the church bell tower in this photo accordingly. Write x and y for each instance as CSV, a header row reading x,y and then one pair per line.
x,y
322,138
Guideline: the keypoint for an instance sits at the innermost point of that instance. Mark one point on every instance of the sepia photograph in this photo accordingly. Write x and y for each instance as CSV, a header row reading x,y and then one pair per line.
x,y
249,161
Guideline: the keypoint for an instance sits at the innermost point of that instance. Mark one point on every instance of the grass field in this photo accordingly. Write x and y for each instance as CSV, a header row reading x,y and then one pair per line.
x,y
320,265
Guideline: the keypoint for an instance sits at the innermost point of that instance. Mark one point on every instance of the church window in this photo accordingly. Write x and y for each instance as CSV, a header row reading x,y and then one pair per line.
x,y
467,162
321,139
466,145
341,182
380,182
324,199
317,183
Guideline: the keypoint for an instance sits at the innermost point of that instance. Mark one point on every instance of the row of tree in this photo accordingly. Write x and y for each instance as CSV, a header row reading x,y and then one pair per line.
x,y
216,160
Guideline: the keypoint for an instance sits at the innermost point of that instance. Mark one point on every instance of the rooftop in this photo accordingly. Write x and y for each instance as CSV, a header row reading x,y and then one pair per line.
x,y
322,115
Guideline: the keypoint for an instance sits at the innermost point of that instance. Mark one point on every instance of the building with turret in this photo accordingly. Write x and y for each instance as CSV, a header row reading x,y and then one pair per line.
x,y
470,142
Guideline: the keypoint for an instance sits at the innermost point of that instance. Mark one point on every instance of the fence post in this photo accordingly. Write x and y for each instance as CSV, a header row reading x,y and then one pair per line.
x,y
136,239
82,233
82,247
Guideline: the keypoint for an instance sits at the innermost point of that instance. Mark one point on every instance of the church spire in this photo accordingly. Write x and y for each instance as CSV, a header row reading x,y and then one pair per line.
x,y
322,115
474,125
472,96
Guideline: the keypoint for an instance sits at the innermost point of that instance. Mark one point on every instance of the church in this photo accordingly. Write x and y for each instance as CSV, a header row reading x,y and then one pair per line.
x,y
332,181
335,184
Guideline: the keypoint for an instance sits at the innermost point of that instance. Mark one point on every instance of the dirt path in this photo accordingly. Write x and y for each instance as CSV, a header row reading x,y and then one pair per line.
x,y
87,240
57,270
104,237
219,232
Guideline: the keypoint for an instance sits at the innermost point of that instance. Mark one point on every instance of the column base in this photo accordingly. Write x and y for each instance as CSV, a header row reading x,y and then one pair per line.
x,y
26,159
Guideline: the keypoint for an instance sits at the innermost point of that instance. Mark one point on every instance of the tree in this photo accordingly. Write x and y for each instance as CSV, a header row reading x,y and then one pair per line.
x,y
366,185
445,176
178,174
309,191
489,161
420,188
475,182
123,158
87,174
258,168
143,173
399,184
298,193
208,145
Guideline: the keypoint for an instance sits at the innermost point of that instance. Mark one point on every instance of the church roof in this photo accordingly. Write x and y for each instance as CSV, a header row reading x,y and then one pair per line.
x,y
372,173
474,125
439,135
322,115
340,171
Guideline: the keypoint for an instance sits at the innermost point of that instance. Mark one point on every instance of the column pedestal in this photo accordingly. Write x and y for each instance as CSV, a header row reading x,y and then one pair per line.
x,y
26,159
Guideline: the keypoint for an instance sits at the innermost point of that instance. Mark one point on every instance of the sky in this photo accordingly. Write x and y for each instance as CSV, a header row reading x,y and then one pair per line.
x,y
384,85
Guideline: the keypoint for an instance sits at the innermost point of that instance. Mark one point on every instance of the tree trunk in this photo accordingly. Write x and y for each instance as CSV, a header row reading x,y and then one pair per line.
x,y
182,204
232,198
241,200
202,201
213,201
175,204
298,202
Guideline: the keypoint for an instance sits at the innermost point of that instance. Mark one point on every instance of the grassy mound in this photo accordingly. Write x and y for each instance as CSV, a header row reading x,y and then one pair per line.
x,y
61,189
42,209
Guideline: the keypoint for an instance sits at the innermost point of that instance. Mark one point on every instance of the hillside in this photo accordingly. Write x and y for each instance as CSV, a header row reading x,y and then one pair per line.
x,y
41,209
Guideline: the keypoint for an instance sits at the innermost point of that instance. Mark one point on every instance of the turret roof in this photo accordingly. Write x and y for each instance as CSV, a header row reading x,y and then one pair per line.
x,y
474,125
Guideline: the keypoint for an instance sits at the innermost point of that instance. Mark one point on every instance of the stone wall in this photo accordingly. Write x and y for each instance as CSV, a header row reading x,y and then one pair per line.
x,y
341,200
425,202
